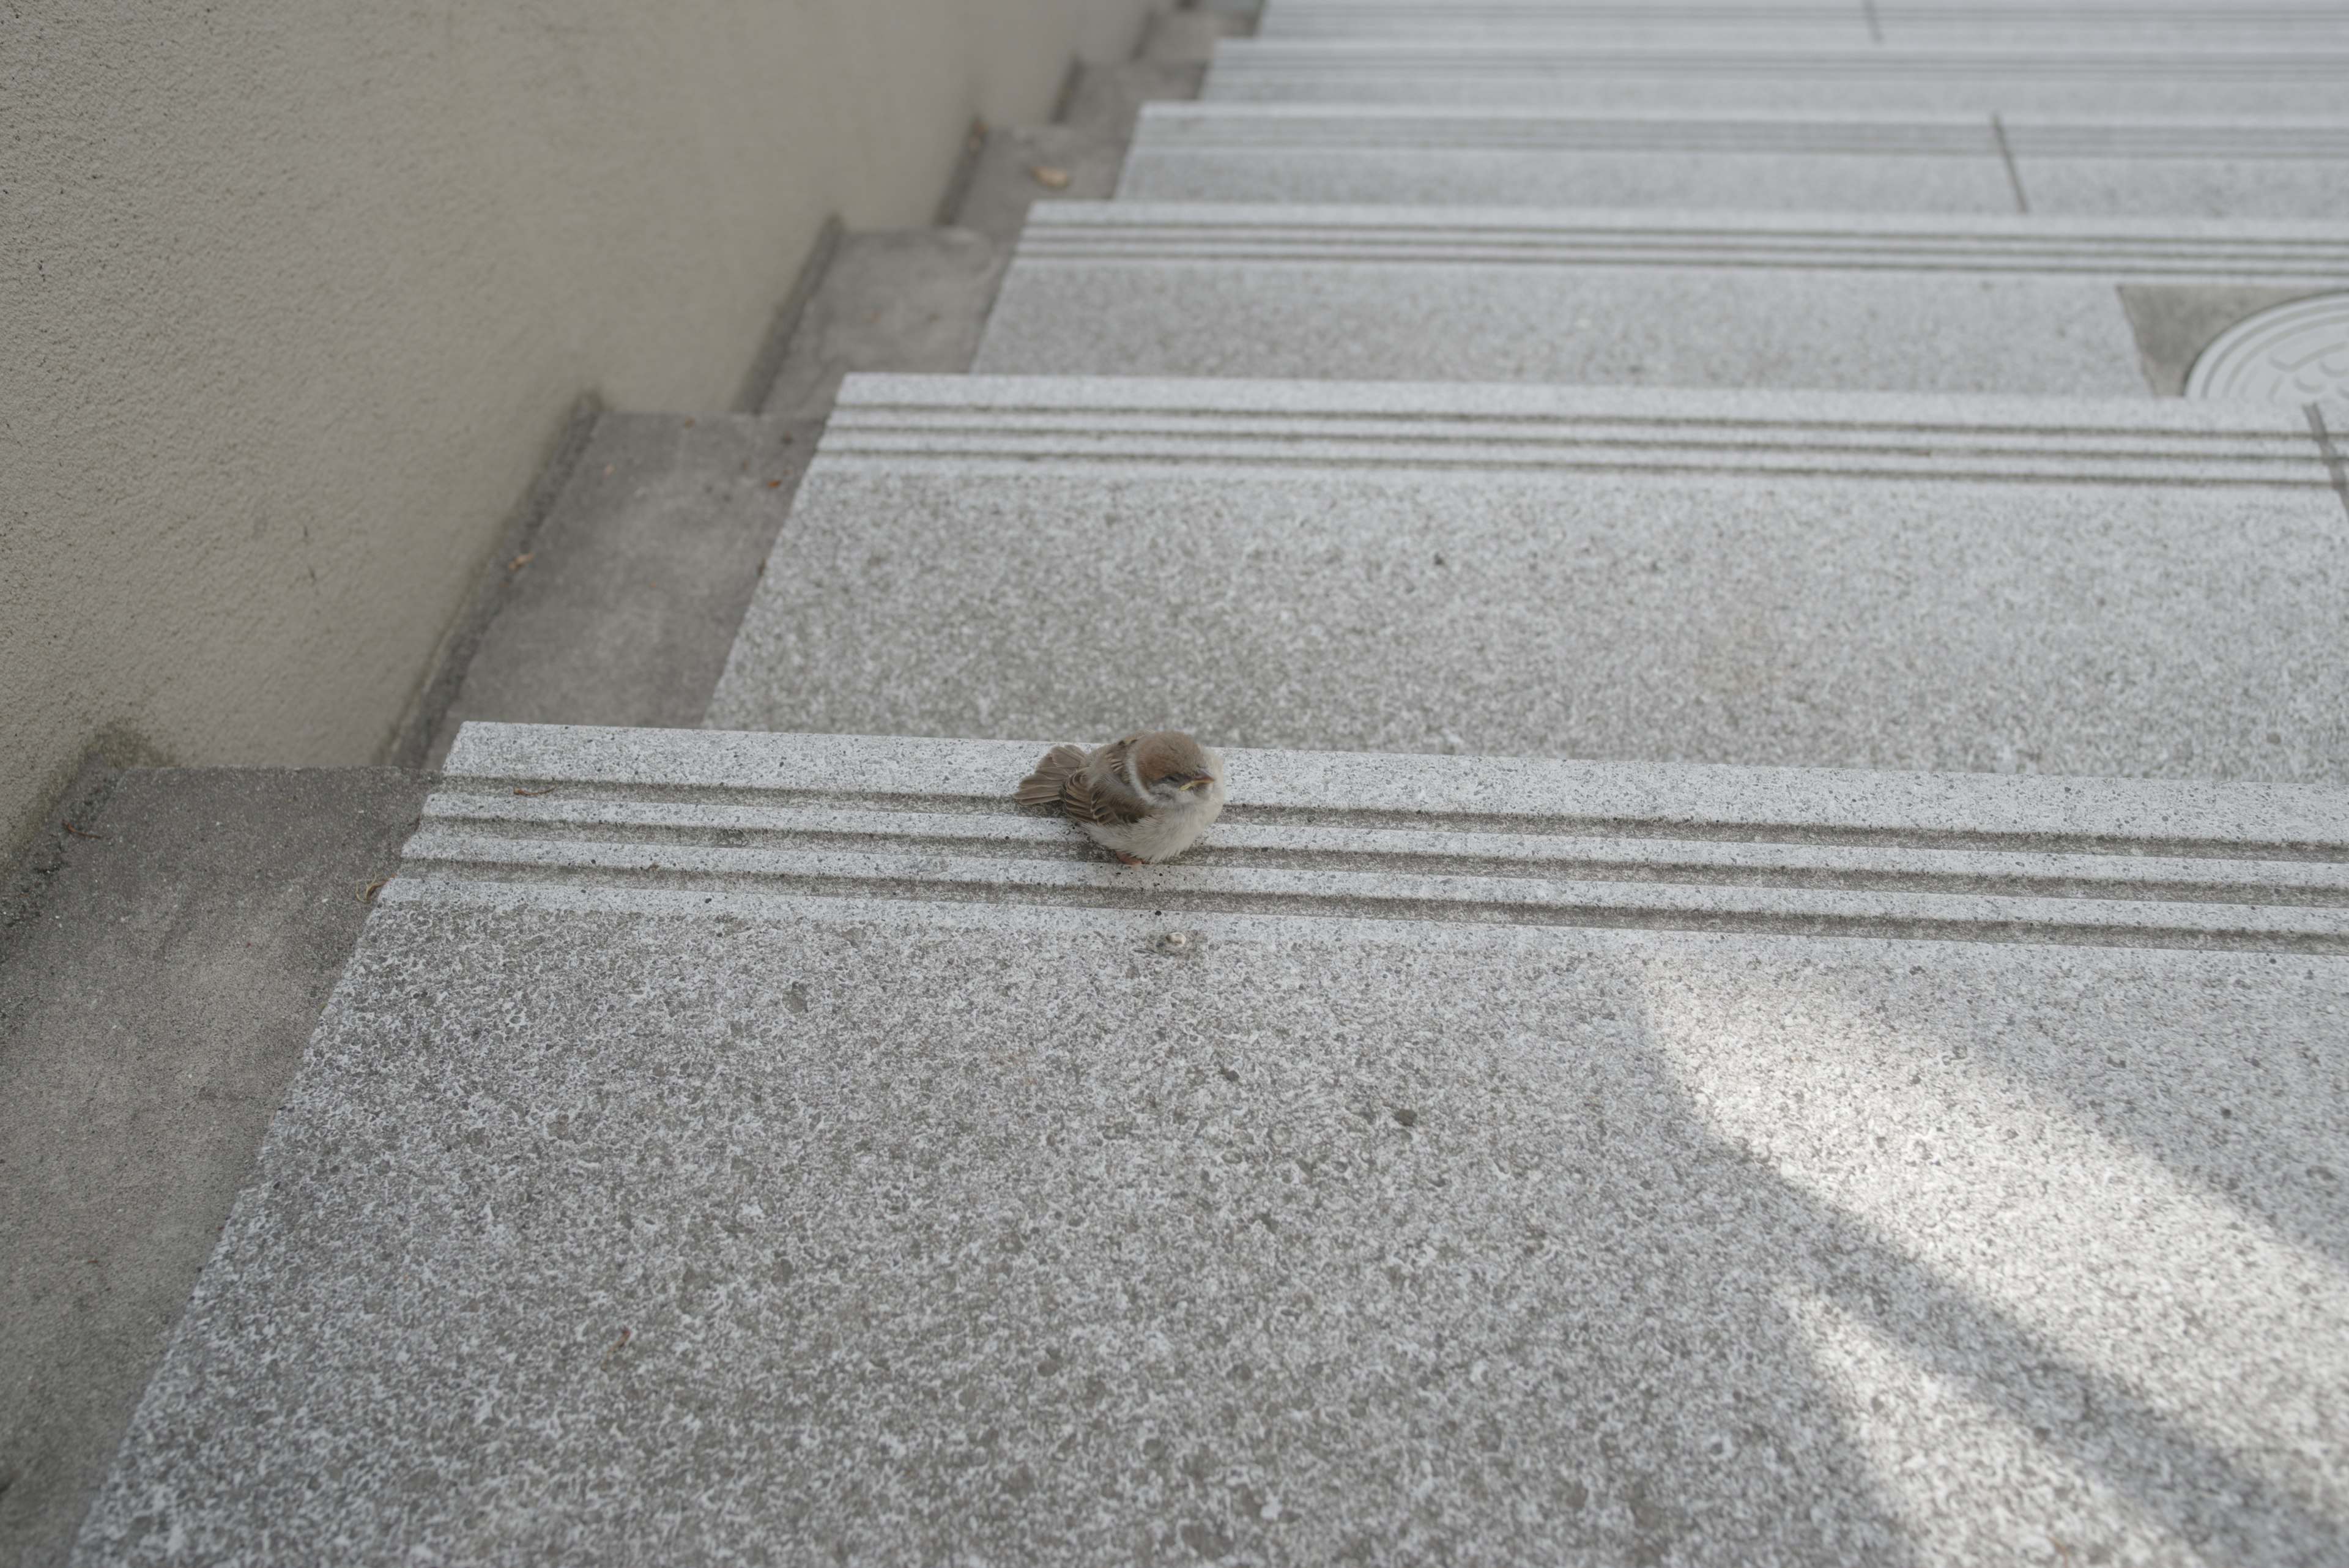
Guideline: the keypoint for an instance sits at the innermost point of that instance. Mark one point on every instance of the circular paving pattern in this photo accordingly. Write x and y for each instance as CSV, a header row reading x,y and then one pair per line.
x,y
2295,353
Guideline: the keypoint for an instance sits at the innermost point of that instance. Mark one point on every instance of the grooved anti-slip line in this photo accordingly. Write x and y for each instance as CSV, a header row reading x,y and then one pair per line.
x,y
1274,130
1258,61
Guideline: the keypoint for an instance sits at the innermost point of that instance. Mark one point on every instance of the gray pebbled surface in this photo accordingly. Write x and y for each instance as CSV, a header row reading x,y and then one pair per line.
x,y
635,584
1609,76
1685,327
1896,23
902,775
1515,840
1408,153
1951,303
153,1006
694,1226
1997,614
2195,186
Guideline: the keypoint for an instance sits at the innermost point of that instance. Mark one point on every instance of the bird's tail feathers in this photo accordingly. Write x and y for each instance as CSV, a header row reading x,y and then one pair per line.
x,y
1042,787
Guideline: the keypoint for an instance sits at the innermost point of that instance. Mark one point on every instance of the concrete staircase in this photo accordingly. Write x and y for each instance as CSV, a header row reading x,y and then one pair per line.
x,y
1775,984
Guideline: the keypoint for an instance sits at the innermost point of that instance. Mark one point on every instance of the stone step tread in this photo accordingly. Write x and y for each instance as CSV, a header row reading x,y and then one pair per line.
x,y
914,422
2201,78
1509,53
2124,247
1793,806
1987,163
1890,19
1777,22
895,1226
1949,302
1941,584
1510,840
1279,129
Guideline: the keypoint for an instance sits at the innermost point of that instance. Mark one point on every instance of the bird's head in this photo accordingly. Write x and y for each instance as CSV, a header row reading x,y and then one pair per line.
x,y
1172,766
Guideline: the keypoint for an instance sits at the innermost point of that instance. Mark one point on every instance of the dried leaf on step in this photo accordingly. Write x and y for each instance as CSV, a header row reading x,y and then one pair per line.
x,y
1049,178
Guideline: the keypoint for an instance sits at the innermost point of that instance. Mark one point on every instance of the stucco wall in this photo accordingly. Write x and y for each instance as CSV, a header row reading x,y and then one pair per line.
x,y
297,295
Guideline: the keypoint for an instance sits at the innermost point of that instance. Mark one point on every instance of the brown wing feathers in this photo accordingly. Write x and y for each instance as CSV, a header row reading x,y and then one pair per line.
x,y
1086,788
1044,786
1097,794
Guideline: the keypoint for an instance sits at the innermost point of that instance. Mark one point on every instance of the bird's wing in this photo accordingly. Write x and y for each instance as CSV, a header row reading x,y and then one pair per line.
x,y
1097,793
1043,786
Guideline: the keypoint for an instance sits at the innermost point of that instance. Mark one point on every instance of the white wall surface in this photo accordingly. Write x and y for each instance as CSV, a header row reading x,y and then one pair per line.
x,y
295,297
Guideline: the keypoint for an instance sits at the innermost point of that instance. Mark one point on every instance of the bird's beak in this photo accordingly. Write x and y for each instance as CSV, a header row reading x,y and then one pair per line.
x,y
1202,779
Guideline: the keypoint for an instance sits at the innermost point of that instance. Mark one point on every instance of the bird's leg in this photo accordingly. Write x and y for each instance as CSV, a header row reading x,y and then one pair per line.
x,y
1129,859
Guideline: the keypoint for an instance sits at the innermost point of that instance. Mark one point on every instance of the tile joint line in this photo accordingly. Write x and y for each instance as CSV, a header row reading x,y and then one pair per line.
x,y
2006,156
2335,466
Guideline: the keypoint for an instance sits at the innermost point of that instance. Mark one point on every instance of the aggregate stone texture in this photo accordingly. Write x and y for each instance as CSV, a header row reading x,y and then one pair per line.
x,y
1946,303
1941,584
156,991
2171,77
2249,168
1898,23
623,609
634,1223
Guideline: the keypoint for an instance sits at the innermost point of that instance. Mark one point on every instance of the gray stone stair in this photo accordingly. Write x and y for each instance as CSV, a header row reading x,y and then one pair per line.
x,y
2148,587
1942,303
159,978
1772,988
1894,23
727,1139
1512,68
1421,154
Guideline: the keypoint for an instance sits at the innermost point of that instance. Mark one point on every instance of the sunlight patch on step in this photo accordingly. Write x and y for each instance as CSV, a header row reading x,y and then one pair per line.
x,y
2198,1329
1967,1483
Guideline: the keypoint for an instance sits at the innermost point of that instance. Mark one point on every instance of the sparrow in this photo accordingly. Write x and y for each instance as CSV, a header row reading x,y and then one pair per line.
x,y
1144,798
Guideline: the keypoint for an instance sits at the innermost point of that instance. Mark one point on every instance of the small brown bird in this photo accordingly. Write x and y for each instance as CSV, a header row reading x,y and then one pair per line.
x,y
1144,798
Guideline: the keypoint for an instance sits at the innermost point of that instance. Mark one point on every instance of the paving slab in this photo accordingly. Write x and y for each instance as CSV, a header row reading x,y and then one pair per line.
x,y
1424,154
157,988
1861,581
777,1148
1889,21
1943,303
1583,78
